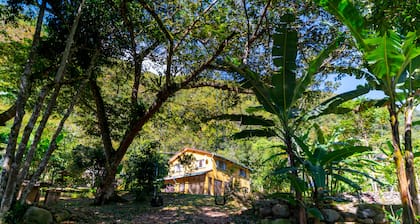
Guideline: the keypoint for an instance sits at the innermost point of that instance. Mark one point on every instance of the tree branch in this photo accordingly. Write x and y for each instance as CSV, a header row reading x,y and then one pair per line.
x,y
190,27
102,119
7,115
168,36
220,86
162,97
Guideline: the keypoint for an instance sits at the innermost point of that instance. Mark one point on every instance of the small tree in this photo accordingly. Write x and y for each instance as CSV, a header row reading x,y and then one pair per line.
x,y
143,169
88,161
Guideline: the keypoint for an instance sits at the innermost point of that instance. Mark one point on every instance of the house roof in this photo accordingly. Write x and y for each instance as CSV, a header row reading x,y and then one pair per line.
x,y
186,175
211,154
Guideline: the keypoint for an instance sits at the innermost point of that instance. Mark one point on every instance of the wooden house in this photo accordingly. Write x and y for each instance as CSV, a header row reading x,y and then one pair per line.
x,y
196,171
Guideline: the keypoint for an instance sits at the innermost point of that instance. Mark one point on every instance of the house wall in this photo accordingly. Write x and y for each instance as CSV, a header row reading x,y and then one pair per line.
x,y
206,165
216,181
230,173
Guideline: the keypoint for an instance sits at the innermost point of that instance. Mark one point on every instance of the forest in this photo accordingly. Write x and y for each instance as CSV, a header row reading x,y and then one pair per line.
x,y
97,93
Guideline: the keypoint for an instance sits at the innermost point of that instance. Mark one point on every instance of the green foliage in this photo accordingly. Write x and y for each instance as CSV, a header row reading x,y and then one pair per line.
x,y
394,217
89,160
144,169
15,214
326,163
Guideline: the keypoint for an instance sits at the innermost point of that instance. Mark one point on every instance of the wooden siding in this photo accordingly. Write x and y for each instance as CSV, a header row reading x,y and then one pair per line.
x,y
210,174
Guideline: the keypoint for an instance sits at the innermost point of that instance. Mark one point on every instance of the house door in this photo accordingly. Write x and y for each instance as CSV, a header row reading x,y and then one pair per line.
x,y
209,186
218,187
181,188
196,185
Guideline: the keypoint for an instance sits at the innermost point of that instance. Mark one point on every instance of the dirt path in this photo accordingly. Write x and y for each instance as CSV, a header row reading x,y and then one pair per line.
x,y
176,209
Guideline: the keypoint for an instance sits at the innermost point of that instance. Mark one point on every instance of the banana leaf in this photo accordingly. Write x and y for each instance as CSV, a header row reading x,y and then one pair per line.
x,y
348,14
385,58
255,133
246,119
346,181
275,156
330,106
315,212
360,173
341,154
284,52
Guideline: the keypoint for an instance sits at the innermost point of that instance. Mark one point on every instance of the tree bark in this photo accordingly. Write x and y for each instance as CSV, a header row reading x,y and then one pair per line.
x,y
403,185
24,91
51,147
13,179
7,115
409,156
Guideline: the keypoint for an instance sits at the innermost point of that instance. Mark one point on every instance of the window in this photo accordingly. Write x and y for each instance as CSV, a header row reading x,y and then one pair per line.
x,y
177,168
242,173
199,163
221,165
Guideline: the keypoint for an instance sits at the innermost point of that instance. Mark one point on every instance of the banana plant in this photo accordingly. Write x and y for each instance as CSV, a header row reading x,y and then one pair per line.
x,y
281,95
324,162
389,59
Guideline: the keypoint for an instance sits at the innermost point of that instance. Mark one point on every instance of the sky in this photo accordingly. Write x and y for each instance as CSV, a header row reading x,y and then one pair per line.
x,y
349,83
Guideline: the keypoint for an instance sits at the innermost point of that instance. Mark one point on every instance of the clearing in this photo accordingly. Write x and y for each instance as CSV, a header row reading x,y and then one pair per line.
x,y
177,208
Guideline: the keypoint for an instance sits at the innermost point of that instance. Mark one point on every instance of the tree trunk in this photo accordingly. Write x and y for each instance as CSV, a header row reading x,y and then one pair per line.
x,y
408,209
409,156
7,115
51,147
105,191
13,179
24,92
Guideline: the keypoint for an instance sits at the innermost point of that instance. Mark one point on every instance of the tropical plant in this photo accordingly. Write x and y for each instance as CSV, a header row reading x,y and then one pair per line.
x,y
326,162
280,97
390,58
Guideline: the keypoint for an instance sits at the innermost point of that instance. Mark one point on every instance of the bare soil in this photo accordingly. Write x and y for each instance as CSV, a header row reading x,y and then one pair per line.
x,y
177,208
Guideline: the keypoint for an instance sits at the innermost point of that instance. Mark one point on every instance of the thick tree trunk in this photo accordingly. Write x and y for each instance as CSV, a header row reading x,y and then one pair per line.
x,y
106,189
403,185
24,92
409,156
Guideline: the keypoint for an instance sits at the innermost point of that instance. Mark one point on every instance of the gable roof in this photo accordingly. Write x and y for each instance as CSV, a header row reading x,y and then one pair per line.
x,y
210,154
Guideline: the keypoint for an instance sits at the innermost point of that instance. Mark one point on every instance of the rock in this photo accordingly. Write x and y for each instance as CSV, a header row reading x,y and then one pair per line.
x,y
35,215
349,217
380,218
264,211
276,221
281,221
366,213
345,222
365,221
61,215
330,215
281,211
346,207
